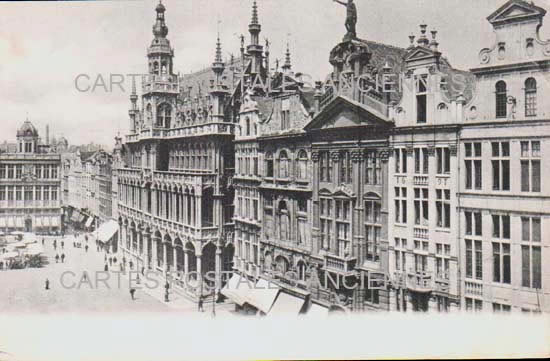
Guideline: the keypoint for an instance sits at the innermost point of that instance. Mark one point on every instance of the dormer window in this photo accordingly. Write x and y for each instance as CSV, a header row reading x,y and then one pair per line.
x,y
421,98
501,98
285,114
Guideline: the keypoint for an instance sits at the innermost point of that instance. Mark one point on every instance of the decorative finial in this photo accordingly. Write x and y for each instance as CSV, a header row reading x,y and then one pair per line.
x,y
423,40
288,64
218,50
254,13
411,38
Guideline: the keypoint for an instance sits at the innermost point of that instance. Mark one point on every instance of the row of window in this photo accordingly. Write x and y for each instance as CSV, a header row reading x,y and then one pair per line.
x,y
421,206
372,170
335,223
472,304
278,224
421,160
28,193
501,249
41,171
530,97
284,165
530,165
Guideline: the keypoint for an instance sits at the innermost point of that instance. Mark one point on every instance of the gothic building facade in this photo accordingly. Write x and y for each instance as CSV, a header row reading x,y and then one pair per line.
x,y
399,184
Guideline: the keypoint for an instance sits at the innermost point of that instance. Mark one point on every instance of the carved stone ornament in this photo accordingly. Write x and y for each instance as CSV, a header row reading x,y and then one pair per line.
x,y
315,157
335,156
356,156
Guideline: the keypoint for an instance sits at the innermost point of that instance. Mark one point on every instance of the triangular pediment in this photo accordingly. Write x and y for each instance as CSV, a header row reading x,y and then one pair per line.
x,y
419,53
343,112
515,10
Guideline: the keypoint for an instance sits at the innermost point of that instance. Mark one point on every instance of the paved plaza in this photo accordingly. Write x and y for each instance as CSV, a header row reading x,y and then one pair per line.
x,y
23,290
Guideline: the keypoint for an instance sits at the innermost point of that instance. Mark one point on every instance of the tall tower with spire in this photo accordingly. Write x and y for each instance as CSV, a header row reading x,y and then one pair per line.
x,y
160,87
254,49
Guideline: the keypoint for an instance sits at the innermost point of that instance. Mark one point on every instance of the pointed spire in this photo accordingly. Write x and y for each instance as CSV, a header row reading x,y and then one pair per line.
x,y
288,63
254,13
218,50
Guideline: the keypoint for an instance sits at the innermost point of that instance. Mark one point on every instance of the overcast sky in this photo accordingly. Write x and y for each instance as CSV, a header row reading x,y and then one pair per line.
x,y
44,46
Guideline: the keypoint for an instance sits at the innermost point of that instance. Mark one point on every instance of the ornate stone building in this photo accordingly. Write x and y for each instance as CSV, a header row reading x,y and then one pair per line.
x,y
30,185
400,184
175,198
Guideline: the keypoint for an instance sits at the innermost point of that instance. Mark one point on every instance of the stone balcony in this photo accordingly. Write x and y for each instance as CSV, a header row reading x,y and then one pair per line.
x,y
421,233
473,288
187,176
207,128
342,265
420,180
420,281
160,83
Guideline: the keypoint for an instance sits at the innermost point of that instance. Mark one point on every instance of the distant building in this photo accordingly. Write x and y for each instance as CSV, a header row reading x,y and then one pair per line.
x,y
30,185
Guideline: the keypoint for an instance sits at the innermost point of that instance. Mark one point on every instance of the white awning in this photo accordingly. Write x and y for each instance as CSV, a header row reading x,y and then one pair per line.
x,y
106,231
287,304
263,295
236,289
317,311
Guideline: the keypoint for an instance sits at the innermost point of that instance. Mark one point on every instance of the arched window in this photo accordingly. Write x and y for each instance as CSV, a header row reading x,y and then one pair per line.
x,y
284,222
302,164
301,270
283,165
501,99
269,165
164,115
530,97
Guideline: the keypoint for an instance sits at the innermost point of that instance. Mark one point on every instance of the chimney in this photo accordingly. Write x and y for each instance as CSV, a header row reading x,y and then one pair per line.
x,y
47,134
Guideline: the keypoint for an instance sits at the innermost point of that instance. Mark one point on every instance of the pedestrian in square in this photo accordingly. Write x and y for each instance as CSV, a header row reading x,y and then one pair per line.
x,y
57,258
62,257
86,248
106,268
47,284
143,271
110,261
42,241
62,245
132,291
114,259
131,265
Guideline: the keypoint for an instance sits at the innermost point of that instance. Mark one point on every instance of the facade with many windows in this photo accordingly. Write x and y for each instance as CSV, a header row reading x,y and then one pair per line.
x,y
400,184
504,209
30,185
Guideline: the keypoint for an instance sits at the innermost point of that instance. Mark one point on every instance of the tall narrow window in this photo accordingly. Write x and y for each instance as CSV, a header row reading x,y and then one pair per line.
x,y
269,165
472,162
421,95
531,267
325,166
373,226
283,165
530,166
530,97
501,99
302,165
345,167
501,165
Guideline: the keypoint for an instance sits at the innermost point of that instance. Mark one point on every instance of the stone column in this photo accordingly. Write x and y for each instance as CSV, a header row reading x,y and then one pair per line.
x,y
165,258
218,267
175,258
199,271
154,250
147,238
185,261
315,238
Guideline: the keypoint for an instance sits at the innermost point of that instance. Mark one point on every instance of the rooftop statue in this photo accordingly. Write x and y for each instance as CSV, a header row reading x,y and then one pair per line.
x,y
351,18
